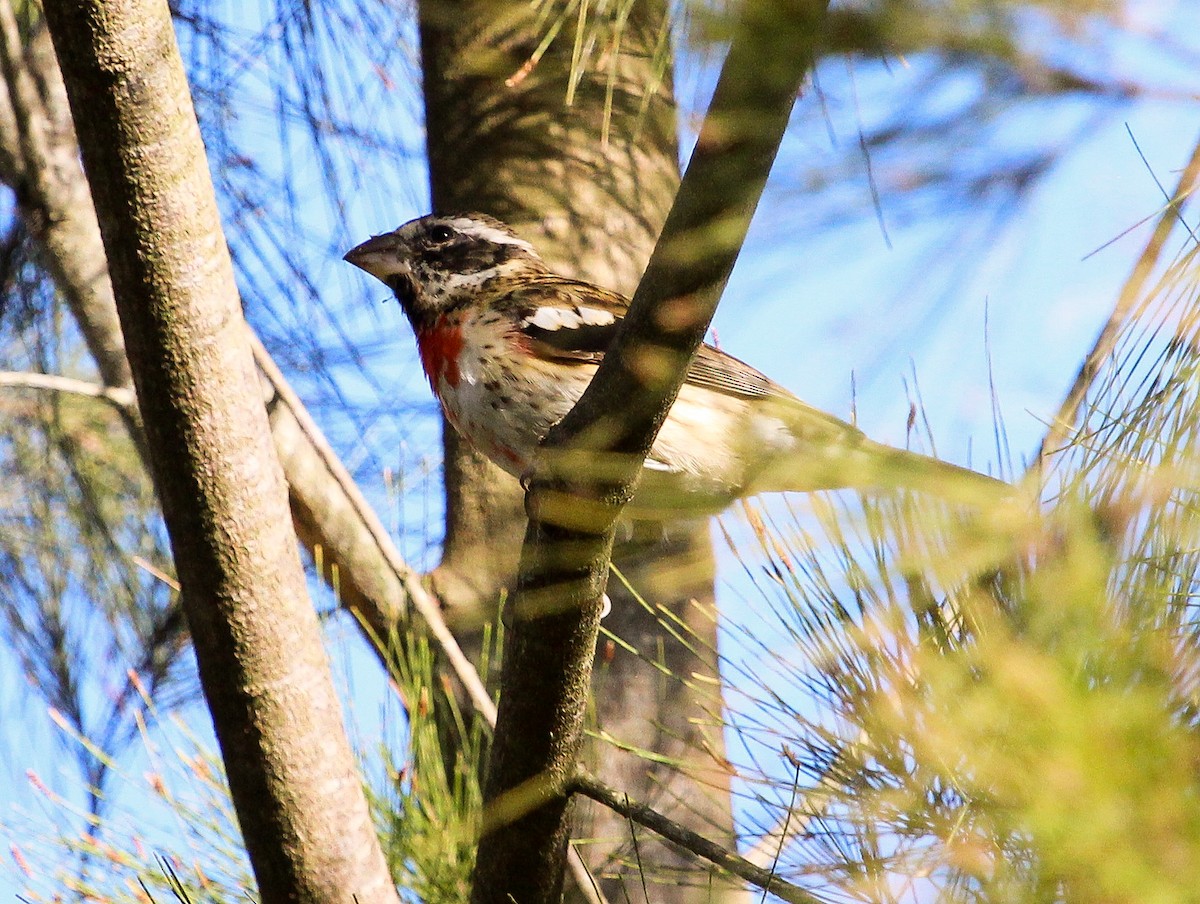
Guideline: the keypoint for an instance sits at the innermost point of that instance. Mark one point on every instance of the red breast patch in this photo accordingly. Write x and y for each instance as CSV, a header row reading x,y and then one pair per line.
x,y
440,347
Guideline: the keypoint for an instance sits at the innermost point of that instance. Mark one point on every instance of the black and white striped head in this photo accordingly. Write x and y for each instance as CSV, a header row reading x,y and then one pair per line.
x,y
436,263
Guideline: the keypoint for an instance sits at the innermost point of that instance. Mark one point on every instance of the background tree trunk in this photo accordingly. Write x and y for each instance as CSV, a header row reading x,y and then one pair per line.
x,y
590,184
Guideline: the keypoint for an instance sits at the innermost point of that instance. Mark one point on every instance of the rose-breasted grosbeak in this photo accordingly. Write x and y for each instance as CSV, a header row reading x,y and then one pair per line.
x,y
508,347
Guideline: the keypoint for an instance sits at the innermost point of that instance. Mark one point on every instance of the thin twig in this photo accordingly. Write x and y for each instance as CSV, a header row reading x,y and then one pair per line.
x,y
1126,308
117,396
792,824
1173,201
691,841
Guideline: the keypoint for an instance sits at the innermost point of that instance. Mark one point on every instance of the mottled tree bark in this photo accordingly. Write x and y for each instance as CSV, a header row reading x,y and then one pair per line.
x,y
503,140
263,668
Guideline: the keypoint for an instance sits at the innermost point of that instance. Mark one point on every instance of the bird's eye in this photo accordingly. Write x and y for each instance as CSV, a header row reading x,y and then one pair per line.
x,y
441,234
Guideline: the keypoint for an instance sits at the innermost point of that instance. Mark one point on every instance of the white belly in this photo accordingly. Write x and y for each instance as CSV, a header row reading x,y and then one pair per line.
x,y
705,450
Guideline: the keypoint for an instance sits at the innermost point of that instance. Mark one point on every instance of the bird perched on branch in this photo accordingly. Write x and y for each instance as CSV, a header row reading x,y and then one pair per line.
x,y
509,346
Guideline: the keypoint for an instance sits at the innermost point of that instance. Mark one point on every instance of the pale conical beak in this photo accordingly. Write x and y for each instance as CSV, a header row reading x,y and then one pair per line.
x,y
382,256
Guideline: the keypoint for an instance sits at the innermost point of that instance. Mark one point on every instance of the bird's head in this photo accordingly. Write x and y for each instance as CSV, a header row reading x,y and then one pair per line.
x,y
437,263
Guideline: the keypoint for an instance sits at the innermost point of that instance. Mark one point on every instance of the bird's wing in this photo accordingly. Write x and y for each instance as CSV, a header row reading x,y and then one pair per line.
x,y
571,321
714,369
566,320
574,322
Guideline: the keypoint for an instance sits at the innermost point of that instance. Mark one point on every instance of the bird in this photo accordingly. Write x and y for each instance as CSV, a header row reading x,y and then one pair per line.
x,y
508,346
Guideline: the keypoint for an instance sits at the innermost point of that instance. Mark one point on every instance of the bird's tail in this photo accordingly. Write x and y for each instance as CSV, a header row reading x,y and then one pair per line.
x,y
868,465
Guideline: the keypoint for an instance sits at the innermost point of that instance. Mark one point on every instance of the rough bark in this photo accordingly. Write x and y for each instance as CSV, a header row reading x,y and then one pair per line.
x,y
636,707
502,140
262,666
552,620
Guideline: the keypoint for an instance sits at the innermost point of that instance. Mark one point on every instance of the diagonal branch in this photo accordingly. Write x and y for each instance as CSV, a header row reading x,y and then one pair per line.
x,y
691,841
553,616
289,418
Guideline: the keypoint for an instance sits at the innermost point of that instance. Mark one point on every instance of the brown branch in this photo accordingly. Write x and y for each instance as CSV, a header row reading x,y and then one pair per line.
x,y
1129,306
691,841
553,617
40,159
24,101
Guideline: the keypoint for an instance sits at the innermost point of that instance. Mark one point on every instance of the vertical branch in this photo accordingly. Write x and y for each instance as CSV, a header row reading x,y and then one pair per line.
x,y
264,672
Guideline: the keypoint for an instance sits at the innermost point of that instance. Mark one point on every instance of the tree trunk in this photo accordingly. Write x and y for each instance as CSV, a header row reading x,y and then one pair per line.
x,y
502,140
262,665
39,159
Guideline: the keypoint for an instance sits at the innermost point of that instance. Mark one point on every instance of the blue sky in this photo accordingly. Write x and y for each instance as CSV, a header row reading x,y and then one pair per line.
x,y
1037,286
811,310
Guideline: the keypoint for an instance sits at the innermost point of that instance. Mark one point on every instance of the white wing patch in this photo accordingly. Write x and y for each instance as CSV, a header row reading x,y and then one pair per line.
x,y
551,319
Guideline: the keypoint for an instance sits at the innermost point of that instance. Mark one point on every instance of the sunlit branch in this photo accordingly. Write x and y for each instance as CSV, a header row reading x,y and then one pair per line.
x,y
118,396
421,599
